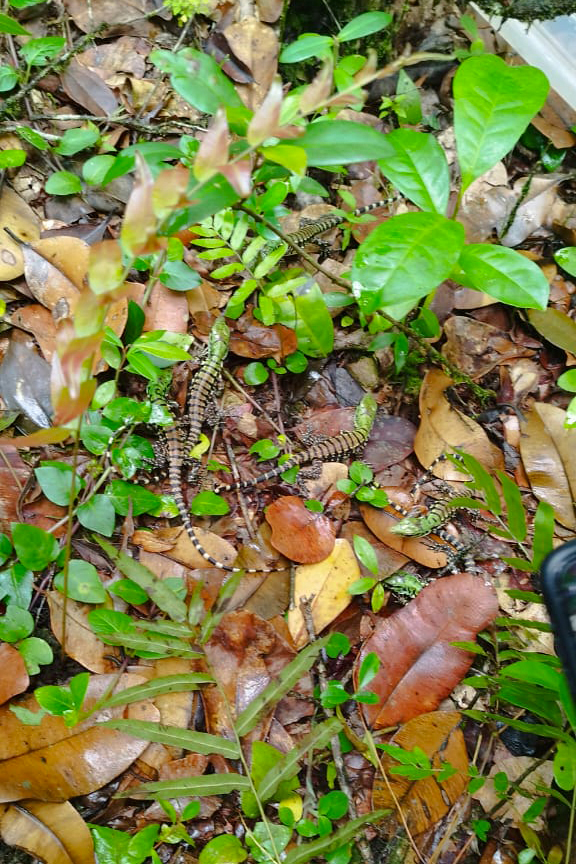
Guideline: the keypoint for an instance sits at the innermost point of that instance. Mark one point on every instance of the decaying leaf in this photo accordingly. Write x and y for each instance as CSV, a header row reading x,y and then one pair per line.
x,y
476,347
25,380
444,428
13,675
16,215
55,833
424,802
556,326
418,665
327,584
427,551
547,449
298,533
81,642
53,762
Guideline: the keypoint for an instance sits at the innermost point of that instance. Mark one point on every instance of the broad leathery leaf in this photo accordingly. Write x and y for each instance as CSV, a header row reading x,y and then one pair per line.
x,y
214,195
338,142
314,328
173,736
416,165
53,762
323,845
10,25
208,784
424,667
566,258
504,274
288,155
404,259
164,597
565,766
278,688
493,104
307,45
318,738
439,740
53,832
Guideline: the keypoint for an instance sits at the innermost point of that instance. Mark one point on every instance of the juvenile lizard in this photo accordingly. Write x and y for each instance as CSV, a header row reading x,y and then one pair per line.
x,y
203,383
325,450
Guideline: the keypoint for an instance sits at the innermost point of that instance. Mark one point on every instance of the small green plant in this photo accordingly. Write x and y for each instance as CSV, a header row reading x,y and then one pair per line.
x,y
186,9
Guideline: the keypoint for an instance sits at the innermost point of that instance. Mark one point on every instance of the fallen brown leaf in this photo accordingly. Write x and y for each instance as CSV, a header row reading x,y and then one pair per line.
x,y
298,533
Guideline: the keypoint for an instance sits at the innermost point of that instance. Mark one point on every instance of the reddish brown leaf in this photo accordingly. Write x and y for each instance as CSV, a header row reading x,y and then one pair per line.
x,y
38,321
418,665
37,439
251,339
84,86
138,232
55,833
13,675
298,533
424,802
264,124
213,151
105,268
169,191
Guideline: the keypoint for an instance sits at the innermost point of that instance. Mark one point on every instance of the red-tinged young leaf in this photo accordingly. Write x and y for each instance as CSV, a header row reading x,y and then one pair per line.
x,y
138,234
299,534
67,407
169,190
264,124
318,91
212,154
424,667
239,176
105,268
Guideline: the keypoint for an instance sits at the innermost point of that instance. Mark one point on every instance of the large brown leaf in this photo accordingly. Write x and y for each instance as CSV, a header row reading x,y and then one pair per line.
x,y
418,665
298,533
52,762
424,802
55,833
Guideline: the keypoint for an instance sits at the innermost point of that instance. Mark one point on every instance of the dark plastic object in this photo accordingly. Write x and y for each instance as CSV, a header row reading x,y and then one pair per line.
x,y
559,590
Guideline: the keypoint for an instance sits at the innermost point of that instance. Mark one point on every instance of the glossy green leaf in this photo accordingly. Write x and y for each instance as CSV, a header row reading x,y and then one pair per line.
x,y
568,381
566,258
94,170
179,276
84,583
15,624
543,533
97,514
504,274
208,503
35,652
291,157
8,78
224,849
34,547
264,763
493,104
365,553
324,845
12,158
128,497
340,142
364,25
129,591
37,52
314,327
255,373
16,584
58,482
307,45
9,25
368,670
75,140
555,325
404,259
5,548
416,165
63,183
32,137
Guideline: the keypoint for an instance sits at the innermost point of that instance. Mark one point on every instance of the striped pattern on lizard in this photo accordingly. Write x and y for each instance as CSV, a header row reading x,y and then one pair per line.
x,y
203,383
326,450
176,457
311,228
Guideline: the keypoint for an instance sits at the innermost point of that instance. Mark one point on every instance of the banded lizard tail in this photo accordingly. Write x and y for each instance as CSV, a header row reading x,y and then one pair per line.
x,y
338,445
204,382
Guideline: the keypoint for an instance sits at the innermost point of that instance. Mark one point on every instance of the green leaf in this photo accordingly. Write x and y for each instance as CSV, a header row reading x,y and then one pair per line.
x,y
339,142
568,380
416,165
493,104
264,763
368,670
16,584
224,849
566,258
404,259
157,590
5,548
9,25
314,327
555,325
75,140
174,736
63,183
8,78
321,847
179,276
128,497
34,547
514,507
15,624
543,533
129,591
208,503
504,274
307,45
364,25
365,553
291,157
334,805
37,52
97,514
255,373
208,784
84,583
94,170
58,482
32,137
278,687
35,652
12,158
